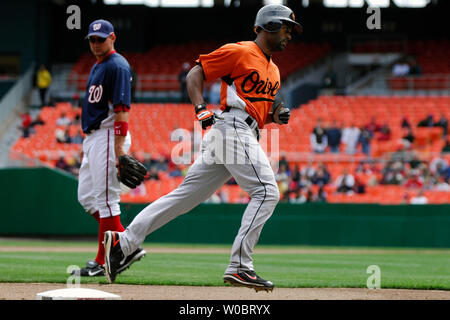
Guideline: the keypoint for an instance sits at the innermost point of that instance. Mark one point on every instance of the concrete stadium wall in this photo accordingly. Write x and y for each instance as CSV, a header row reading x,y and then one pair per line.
x,y
43,202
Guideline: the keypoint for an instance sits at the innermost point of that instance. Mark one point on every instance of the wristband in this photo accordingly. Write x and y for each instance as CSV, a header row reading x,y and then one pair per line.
x,y
120,128
200,107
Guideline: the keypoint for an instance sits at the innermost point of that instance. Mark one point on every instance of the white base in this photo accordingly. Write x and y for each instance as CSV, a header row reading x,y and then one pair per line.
x,y
76,294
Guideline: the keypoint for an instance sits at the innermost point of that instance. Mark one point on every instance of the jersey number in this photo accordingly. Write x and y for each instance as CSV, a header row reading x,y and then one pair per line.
x,y
95,93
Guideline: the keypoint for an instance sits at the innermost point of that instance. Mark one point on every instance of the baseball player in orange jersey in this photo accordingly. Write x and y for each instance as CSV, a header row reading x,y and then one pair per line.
x,y
250,82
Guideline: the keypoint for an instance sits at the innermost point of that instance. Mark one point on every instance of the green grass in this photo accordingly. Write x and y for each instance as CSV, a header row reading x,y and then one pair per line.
x,y
411,269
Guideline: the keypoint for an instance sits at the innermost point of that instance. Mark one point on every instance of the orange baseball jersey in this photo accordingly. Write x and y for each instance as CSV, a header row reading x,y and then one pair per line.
x,y
249,79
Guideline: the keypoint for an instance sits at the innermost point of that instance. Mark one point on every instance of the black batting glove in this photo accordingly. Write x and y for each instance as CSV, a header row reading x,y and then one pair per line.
x,y
206,117
283,115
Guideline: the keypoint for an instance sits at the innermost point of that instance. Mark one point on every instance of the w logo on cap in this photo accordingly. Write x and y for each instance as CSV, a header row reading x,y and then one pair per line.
x,y
96,26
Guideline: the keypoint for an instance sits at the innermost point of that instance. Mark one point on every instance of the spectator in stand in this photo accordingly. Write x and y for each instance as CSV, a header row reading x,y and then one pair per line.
x,y
182,79
443,184
78,138
401,69
214,92
63,120
321,177
429,179
350,137
321,195
414,180
161,164
438,165
38,121
408,138
62,164
67,136
76,120
334,137
152,174
175,172
330,78
298,197
329,81
318,138
309,195
446,148
215,198
428,122
405,123
43,81
26,124
385,133
365,136
360,187
283,161
373,126
405,198
148,161
295,174
74,165
361,168
415,162
414,68
393,173
282,178
345,182
304,183
443,123
420,198
62,136
308,171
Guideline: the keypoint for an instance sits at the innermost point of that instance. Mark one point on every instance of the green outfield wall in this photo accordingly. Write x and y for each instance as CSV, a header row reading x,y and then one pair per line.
x,y
42,202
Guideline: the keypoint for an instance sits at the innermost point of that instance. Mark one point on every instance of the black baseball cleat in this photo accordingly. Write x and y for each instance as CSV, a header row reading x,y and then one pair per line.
x,y
114,257
93,269
248,279
137,255
115,260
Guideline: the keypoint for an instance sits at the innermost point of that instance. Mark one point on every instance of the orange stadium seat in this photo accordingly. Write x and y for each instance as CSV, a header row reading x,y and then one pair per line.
x,y
168,59
151,126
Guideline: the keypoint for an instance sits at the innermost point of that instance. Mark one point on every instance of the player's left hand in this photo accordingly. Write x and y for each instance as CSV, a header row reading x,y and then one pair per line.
x,y
206,117
130,171
280,113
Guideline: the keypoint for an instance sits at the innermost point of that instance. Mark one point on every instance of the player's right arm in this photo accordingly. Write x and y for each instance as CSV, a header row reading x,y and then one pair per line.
x,y
209,67
194,84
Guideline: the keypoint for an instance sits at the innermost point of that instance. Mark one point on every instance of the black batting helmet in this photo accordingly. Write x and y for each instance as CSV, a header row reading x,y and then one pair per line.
x,y
272,16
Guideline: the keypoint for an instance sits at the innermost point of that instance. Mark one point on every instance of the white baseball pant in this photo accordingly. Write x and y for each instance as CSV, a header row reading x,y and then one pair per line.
x,y
230,148
98,186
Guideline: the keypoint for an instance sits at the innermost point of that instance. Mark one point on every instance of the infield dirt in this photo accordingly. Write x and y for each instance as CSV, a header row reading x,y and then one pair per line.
x,y
28,291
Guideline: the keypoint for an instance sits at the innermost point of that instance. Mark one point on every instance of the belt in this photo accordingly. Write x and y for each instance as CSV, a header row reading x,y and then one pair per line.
x,y
92,129
252,123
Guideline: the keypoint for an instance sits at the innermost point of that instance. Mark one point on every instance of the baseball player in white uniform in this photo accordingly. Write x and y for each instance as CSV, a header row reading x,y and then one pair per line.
x,y
104,116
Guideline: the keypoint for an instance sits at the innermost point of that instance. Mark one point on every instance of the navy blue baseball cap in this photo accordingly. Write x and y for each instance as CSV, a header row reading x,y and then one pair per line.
x,y
100,28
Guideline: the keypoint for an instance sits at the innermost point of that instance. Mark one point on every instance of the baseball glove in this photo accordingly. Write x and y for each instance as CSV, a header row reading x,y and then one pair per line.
x,y
280,114
130,171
